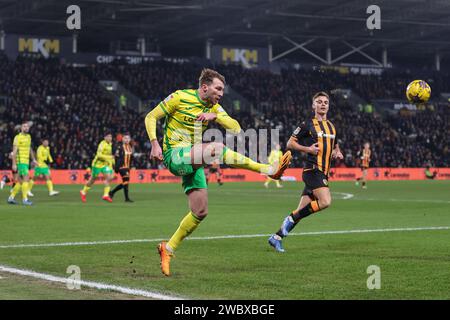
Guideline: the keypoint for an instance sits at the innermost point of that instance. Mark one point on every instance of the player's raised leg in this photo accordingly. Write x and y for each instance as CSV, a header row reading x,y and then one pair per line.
x,y
188,113
202,154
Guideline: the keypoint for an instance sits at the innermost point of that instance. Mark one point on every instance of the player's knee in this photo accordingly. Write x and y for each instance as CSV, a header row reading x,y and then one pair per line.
x,y
201,213
324,203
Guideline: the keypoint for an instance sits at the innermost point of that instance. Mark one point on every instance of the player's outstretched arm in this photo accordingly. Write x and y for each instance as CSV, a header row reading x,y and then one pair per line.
x,y
229,124
164,108
225,121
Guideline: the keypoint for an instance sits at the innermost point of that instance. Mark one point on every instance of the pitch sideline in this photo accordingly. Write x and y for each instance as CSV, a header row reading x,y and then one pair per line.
x,y
89,284
312,233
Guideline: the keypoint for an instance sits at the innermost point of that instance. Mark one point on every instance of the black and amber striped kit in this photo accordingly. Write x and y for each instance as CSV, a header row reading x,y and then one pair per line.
x,y
324,134
366,153
123,156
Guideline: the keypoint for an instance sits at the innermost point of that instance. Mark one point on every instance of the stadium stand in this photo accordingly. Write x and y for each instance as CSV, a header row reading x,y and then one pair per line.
x,y
67,105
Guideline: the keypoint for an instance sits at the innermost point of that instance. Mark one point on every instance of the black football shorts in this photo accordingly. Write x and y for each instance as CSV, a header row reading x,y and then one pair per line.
x,y
313,179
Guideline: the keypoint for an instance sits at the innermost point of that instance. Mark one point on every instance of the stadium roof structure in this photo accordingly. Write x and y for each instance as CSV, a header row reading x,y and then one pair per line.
x,y
296,29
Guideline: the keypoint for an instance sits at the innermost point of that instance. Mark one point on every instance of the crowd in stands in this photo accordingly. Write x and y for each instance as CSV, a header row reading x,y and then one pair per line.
x,y
64,106
67,106
400,140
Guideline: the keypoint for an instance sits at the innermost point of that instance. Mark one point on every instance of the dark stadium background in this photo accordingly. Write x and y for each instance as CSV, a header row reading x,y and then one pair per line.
x,y
147,49
128,55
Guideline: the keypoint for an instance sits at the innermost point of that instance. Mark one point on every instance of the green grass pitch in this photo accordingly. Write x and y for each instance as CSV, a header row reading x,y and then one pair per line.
x,y
414,264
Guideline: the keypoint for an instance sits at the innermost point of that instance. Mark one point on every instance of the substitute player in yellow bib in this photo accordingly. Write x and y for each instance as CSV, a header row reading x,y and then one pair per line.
x,y
43,158
103,163
275,156
187,114
21,154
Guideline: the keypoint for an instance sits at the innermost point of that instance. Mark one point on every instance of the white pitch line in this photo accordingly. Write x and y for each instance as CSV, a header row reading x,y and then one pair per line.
x,y
346,195
81,243
89,284
403,200
342,196
238,236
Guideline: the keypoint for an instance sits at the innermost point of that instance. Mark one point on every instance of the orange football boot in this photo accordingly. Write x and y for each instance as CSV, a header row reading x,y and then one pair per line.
x,y
165,256
284,163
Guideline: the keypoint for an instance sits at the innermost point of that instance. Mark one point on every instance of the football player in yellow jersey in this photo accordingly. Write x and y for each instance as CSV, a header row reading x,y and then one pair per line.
x,y
275,156
42,169
187,114
103,163
21,163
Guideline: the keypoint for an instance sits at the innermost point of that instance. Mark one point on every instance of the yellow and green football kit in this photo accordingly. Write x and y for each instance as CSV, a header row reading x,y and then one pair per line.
x,y
43,157
23,143
102,163
104,160
182,131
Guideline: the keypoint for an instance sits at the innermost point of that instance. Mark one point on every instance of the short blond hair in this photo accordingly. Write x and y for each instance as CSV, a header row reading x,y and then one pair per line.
x,y
208,75
320,94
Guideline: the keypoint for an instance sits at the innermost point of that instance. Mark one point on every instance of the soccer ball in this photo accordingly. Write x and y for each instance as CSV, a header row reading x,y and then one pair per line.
x,y
418,91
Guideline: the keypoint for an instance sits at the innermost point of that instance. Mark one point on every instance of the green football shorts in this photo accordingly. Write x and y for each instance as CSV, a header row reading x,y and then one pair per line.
x,y
42,171
178,161
104,170
23,169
